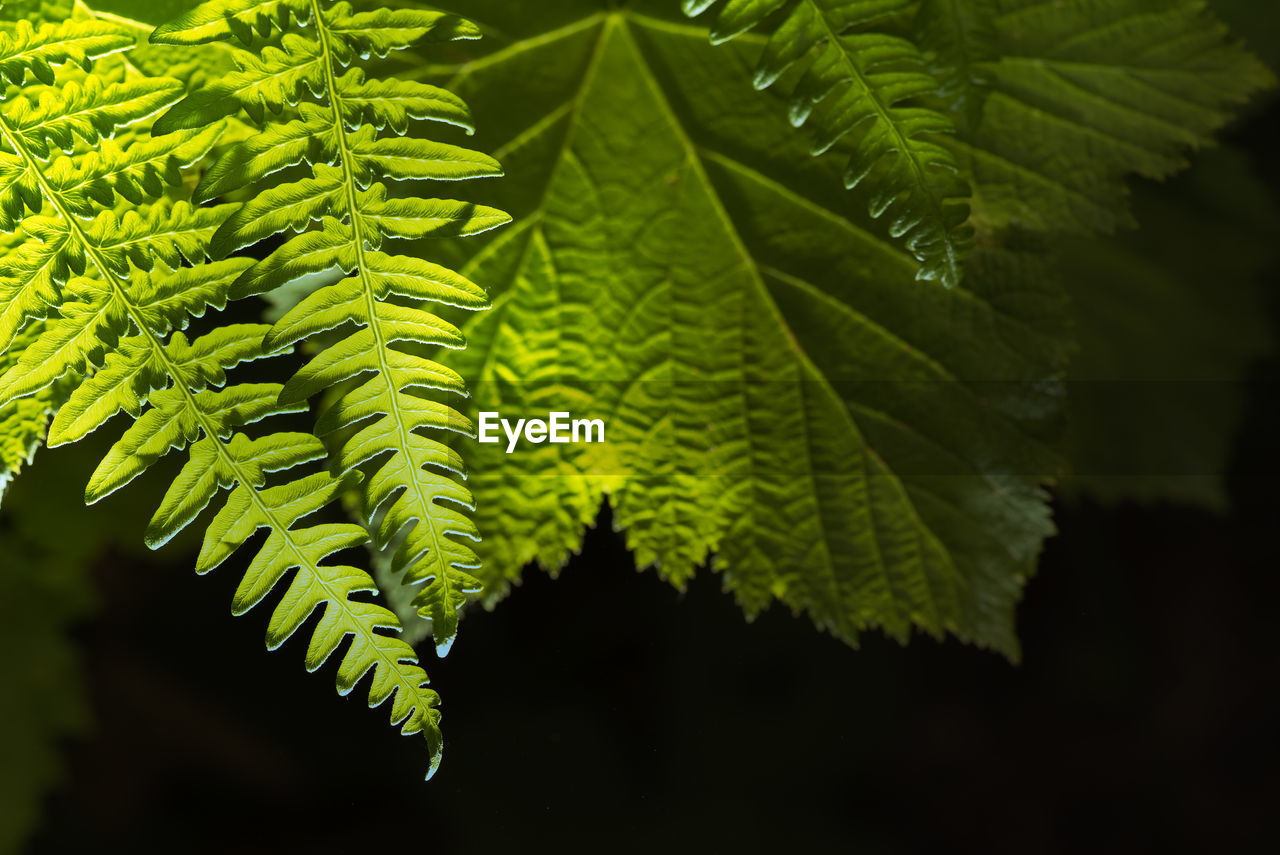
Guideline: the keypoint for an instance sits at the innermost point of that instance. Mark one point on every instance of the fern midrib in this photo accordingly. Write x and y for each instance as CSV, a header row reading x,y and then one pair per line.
x,y
746,259
371,305
904,144
202,418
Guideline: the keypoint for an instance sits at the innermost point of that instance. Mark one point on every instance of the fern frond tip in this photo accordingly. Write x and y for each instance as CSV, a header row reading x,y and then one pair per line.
x,y
861,88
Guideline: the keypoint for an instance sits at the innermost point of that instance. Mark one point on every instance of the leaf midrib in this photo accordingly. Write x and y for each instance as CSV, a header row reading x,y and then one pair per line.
x,y
371,307
617,20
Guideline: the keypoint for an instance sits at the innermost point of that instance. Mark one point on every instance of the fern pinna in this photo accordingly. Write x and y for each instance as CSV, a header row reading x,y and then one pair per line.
x,y
109,266
318,109
858,85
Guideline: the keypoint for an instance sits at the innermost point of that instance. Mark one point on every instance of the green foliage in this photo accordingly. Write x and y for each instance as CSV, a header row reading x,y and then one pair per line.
x,y
1075,96
23,422
957,36
46,588
1259,23
42,591
865,86
1172,316
788,393
36,11
109,264
783,399
782,393
351,141
1057,102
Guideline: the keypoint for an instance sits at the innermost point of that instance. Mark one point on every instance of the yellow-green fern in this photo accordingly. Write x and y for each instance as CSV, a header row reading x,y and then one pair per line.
x,y
318,109
111,267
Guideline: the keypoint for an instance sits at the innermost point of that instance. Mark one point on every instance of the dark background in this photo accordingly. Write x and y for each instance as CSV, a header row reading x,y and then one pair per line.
x,y
604,711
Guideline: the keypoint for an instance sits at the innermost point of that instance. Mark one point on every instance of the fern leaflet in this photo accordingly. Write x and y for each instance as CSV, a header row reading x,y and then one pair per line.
x,y
23,422
344,216
860,85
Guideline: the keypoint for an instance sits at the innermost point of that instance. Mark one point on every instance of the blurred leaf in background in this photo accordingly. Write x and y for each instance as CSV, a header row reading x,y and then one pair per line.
x,y
46,588
1170,317
43,591
35,11
1257,22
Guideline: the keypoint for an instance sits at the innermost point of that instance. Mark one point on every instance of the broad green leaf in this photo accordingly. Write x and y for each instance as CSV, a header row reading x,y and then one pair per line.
x,y
1056,103
1258,23
782,397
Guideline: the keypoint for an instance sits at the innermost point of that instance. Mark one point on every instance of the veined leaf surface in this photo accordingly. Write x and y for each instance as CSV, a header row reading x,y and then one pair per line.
x,y
780,393
1077,96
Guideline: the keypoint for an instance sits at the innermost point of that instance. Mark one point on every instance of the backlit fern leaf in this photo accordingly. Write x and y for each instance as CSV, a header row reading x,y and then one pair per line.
x,y
861,86
104,266
317,108
35,49
23,422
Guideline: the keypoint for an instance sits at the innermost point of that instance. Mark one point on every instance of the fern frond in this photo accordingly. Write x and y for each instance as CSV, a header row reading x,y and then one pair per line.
x,y
346,216
861,86
75,110
106,271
